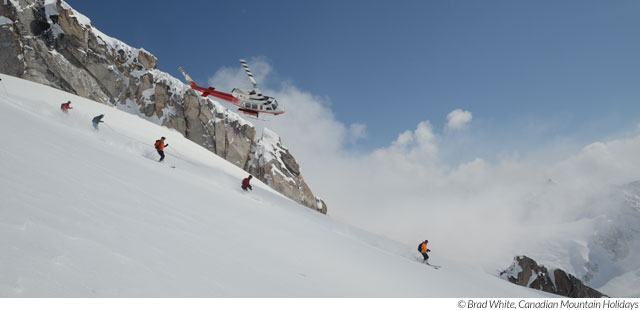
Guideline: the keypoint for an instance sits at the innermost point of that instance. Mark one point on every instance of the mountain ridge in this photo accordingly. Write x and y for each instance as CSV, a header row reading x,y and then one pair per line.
x,y
50,43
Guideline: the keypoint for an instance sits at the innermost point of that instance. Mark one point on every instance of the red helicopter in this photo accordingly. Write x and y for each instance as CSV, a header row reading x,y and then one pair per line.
x,y
251,102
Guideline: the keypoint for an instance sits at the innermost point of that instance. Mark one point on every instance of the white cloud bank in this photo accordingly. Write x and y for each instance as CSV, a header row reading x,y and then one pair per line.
x,y
478,211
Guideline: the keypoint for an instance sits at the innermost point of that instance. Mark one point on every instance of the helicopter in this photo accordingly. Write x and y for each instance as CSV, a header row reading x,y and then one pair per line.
x,y
250,102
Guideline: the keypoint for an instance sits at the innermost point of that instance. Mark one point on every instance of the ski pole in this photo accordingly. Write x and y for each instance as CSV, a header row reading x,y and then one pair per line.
x,y
5,88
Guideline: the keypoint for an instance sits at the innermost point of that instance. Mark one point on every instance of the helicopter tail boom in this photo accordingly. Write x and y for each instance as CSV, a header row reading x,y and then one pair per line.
x,y
210,91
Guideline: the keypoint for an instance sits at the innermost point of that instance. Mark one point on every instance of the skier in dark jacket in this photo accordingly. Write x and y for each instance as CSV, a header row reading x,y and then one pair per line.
x,y
65,107
245,183
160,148
422,247
97,120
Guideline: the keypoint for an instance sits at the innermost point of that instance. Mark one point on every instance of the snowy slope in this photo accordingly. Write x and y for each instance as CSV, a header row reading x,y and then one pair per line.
x,y
89,213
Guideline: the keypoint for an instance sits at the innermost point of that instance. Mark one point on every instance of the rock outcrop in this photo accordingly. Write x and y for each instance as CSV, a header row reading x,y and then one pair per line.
x,y
48,42
273,164
525,271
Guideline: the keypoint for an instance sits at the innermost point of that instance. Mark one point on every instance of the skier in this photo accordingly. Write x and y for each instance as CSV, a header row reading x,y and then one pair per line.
x,y
65,107
422,248
245,183
160,148
97,120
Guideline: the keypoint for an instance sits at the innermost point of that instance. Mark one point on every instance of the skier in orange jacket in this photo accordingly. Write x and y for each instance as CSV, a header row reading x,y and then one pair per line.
x,y
422,247
160,147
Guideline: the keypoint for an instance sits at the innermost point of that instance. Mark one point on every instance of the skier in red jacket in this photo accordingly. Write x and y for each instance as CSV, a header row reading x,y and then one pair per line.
x,y
65,107
245,183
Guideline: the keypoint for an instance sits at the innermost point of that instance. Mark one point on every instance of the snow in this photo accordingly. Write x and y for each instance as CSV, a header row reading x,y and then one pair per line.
x,y
50,9
270,148
270,140
552,275
92,214
16,4
5,21
513,271
320,203
625,285
84,21
532,278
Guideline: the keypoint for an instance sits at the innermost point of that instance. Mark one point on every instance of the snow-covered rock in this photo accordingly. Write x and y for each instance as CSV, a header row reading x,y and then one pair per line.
x,y
50,43
525,271
273,164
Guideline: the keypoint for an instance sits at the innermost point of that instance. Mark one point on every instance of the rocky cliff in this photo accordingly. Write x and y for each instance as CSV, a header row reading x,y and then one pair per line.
x,y
272,162
525,271
48,42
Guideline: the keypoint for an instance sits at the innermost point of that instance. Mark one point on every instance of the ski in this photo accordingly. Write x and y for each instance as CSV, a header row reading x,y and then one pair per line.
x,y
433,266
170,165
160,162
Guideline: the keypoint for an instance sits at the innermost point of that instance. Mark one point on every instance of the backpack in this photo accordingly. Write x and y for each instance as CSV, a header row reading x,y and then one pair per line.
x,y
420,247
157,145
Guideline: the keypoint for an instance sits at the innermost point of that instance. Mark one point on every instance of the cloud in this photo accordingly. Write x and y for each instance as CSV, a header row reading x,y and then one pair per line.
x,y
458,119
228,78
407,192
412,146
357,132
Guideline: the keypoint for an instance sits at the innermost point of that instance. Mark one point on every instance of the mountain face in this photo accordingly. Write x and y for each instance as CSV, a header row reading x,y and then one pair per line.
x,y
525,271
615,244
594,236
50,43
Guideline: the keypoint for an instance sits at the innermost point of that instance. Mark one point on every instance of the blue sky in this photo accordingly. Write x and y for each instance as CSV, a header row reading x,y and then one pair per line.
x,y
532,73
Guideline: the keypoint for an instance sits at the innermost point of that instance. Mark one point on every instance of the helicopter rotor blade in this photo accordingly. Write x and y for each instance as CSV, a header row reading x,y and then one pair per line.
x,y
186,76
246,68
